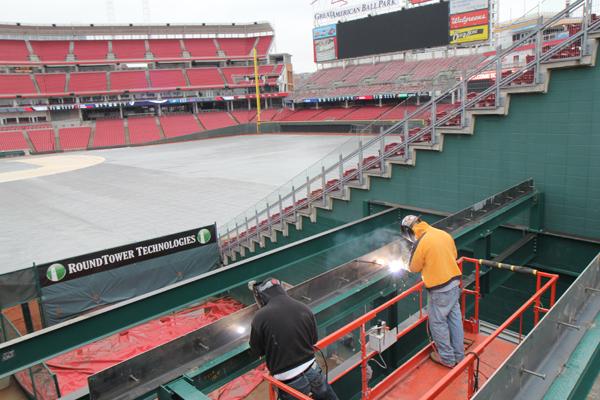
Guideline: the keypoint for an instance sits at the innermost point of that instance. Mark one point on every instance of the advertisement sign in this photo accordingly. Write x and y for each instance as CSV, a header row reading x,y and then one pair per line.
x,y
326,31
413,2
352,9
463,6
470,34
472,18
325,49
87,264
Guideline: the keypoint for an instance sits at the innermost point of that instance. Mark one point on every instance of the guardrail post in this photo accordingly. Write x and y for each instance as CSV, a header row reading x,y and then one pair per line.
x,y
498,77
294,202
269,219
587,8
323,184
382,155
307,189
405,131
538,51
257,222
433,120
341,169
463,105
247,231
360,162
237,234
281,211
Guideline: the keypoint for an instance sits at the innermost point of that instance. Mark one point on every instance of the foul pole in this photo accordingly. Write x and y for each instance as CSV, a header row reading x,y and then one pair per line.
x,y
257,83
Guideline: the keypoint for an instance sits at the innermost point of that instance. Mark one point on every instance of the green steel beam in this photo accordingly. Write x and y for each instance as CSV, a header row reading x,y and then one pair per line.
x,y
32,349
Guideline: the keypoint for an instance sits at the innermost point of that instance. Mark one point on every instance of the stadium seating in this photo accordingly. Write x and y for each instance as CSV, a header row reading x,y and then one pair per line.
x,y
332,114
74,138
302,115
264,44
239,76
42,139
236,47
20,127
16,84
205,77
90,49
128,80
14,50
143,130
50,50
80,82
51,83
367,113
245,116
179,124
201,47
165,48
268,114
167,78
13,140
216,119
109,132
129,49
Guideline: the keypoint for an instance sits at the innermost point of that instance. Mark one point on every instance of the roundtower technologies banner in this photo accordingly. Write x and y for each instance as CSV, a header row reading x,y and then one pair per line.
x,y
469,21
92,263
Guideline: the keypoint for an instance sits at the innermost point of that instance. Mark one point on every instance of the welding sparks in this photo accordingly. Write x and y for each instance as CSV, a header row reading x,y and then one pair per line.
x,y
397,266
240,330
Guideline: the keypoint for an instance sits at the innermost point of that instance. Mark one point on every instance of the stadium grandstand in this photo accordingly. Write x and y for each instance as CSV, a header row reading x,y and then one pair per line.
x,y
502,116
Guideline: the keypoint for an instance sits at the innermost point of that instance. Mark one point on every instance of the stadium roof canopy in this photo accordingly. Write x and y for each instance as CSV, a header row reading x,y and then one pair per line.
x,y
129,31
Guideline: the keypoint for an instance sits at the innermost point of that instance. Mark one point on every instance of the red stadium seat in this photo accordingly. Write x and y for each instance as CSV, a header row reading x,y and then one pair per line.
x,y
129,49
167,78
110,132
51,83
201,47
90,49
42,140
236,47
13,50
216,120
128,80
50,50
179,125
165,48
143,130
74,138
17,84
87,82
13,141
205,77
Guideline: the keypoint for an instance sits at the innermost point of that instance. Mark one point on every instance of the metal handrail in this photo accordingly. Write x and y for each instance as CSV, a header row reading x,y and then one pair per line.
x,y
402,127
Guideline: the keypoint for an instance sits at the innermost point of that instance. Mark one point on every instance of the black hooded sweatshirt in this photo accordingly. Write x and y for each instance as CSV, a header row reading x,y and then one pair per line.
x,y
284,331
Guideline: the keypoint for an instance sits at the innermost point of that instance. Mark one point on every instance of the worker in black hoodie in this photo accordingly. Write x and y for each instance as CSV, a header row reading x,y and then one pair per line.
x,y
285,331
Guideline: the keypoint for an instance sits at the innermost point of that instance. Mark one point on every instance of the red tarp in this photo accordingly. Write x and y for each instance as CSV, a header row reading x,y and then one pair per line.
x,y
73,368
241,387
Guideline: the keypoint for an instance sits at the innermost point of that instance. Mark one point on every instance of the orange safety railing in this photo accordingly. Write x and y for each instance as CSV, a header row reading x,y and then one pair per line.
x,y
470,323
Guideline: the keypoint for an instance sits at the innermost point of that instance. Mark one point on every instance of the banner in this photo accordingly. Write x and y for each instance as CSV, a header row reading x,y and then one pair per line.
x,y
472,18
471,34
88,264
462,6
325,43
353,10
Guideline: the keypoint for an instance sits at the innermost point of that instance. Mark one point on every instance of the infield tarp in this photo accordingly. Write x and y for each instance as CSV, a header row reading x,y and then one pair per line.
x,y
63,300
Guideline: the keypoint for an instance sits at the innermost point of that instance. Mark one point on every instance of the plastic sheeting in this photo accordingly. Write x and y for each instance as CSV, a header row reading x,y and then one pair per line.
x,y
72,369
67,299
240,387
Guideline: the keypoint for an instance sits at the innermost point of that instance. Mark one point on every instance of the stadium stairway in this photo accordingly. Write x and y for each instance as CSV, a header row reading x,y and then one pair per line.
x,y
243,242
127,135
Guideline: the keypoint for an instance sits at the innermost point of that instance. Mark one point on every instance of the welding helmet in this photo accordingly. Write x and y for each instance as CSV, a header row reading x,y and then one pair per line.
x,y
407,227
263,291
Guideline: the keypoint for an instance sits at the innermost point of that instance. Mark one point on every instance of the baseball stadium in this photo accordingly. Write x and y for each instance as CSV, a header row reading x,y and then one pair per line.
x,y
159,181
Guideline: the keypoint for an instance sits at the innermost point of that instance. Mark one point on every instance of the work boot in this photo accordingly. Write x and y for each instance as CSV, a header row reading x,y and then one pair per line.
x,y
435,357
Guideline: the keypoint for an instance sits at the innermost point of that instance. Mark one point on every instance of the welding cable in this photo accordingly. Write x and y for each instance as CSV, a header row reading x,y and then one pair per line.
x,y
383,365
476,372
324,362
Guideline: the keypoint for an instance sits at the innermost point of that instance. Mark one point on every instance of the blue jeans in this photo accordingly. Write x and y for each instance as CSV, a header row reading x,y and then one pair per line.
x,y
312,381
445,324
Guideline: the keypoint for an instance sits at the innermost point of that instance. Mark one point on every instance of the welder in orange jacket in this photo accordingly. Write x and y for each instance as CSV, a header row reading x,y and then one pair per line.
x,y
434,256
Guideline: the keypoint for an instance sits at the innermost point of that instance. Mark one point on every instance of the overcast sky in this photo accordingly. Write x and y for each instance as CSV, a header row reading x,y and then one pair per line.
x,y
291,19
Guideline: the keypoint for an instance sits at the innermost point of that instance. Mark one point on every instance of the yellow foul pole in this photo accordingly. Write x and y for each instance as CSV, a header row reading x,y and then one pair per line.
x,y
257,83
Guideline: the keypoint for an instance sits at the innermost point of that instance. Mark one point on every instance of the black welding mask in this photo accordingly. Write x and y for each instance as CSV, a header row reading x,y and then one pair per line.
x,y
407,228
265,290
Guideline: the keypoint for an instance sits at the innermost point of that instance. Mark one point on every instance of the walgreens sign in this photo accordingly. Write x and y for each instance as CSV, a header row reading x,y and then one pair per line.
x,y
472,18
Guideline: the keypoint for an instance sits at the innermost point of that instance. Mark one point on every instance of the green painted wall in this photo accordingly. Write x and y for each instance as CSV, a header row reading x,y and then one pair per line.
x,y
552,137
